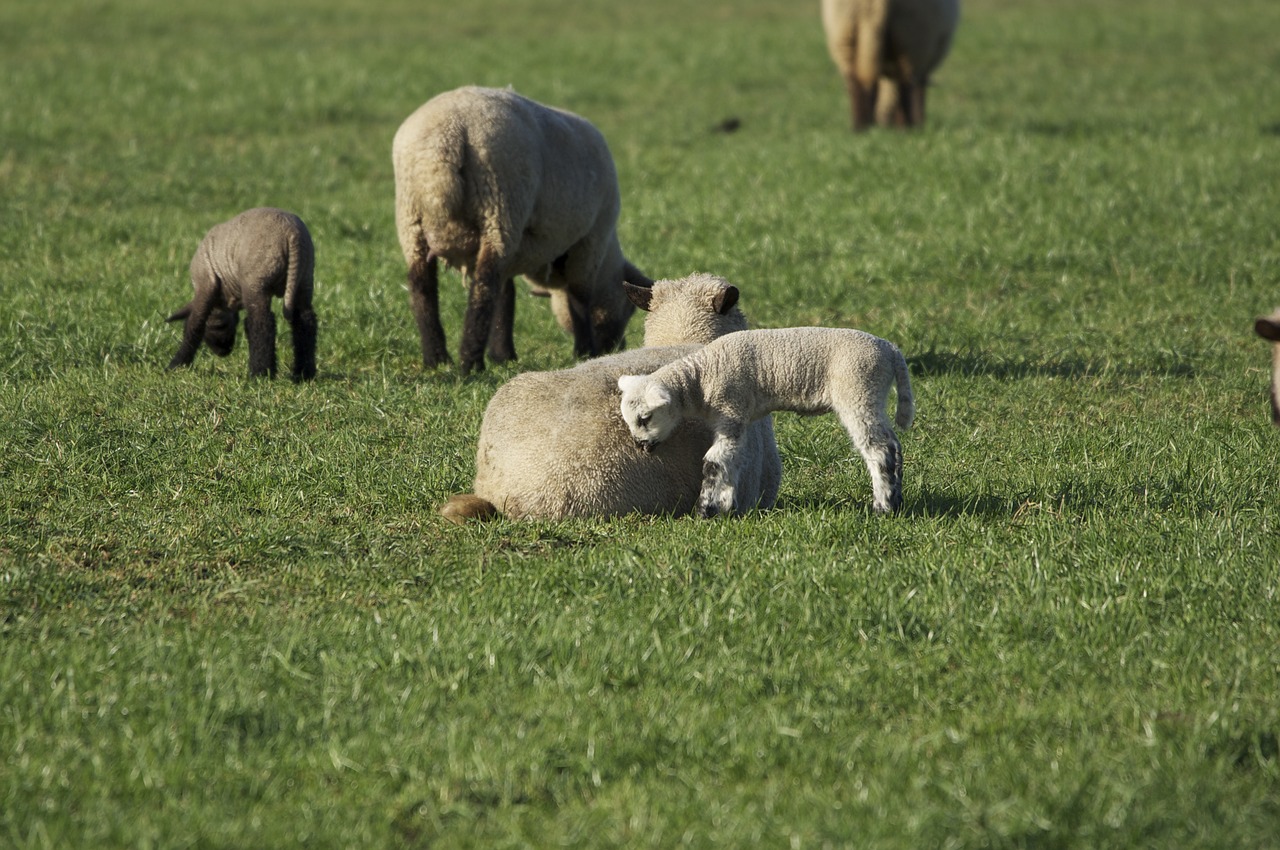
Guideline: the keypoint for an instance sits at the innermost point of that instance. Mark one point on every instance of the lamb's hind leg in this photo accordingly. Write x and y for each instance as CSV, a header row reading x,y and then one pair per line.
x,y
303,325
721,469
260,330
878,444
424,300
502,346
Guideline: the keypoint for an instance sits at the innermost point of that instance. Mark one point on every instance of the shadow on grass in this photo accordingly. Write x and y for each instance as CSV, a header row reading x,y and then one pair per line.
x,y
934,362
926,505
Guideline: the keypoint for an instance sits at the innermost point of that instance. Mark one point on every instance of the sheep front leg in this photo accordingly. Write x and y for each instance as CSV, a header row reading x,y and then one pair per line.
x,y
260,330
502,346
424,300
721,468
196,315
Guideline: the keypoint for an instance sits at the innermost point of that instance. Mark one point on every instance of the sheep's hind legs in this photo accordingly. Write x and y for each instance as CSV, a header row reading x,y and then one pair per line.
x,y
424,300
303,326
260,331
502,346
882,452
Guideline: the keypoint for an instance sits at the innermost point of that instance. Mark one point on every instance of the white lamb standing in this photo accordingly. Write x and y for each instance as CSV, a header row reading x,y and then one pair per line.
x,y
1269,328
552,444
879,44
498,185
744,376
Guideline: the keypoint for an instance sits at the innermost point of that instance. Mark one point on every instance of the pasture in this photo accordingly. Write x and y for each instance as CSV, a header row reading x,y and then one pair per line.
x,y
230,616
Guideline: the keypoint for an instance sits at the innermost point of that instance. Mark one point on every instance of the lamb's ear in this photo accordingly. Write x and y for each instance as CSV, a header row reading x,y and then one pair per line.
x,y
1268,329
181,314
638,295
627,383
725,299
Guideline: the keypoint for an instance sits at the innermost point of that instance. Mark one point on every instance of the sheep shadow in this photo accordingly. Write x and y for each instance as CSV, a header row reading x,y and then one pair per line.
x,y
925,505
936,362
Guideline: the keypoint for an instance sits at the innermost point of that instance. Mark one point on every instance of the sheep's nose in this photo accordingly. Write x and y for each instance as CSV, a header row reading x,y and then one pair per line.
x,y
647,445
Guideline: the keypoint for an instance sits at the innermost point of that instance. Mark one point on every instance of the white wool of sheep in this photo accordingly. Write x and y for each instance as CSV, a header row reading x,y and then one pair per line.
x,y
498,185
885,51
1269,329
552,444
743,376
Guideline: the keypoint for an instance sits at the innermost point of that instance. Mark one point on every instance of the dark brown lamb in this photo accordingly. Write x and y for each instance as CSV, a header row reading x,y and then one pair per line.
x,y
243,263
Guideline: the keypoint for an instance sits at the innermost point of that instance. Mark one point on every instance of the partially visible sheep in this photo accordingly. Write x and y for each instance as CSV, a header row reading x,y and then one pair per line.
x,y
552,444
498,185
242,263
875,43
1269,328
744,376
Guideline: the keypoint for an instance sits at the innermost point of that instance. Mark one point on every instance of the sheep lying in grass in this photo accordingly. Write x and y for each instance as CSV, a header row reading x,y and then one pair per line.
x,y
898,41
497,185
552,444
243,262
744,376
1269,328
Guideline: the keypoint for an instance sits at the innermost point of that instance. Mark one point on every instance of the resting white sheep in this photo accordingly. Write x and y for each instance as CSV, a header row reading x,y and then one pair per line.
x,y
1269,328
552,444
898,42
499,186
243,262
743,376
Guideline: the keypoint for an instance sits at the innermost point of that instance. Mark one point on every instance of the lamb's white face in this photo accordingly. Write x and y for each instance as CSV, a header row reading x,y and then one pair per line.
x,y
647,409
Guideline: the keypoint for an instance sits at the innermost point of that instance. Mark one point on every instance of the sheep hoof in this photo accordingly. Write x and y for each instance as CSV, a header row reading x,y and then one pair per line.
x,y
465,506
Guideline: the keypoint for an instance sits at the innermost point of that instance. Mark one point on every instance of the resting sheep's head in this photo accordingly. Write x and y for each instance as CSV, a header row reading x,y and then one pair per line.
x,y
648,409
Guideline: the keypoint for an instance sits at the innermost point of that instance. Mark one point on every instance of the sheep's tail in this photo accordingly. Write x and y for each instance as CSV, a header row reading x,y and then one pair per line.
x,y
299,278
906,412
465,506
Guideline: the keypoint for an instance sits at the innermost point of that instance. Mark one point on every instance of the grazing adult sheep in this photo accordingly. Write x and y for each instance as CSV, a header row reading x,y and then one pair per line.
x,y
744,376
898,42
243,262
552,444
498,185
1269,328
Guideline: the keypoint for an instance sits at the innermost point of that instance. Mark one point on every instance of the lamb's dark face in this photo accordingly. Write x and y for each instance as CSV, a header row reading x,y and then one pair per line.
x,y
648,410
220,331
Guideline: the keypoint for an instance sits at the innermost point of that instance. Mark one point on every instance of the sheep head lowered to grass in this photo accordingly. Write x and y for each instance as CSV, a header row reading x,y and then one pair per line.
x,y
498,185
243,263
1269,328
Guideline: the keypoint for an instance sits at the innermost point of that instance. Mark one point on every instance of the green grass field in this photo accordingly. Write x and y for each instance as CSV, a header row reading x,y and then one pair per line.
x,y
230,616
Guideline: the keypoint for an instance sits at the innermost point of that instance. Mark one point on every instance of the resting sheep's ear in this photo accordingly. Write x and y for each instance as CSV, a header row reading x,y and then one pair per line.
x,y
627,383
725,299
640,296
180,314
1268,329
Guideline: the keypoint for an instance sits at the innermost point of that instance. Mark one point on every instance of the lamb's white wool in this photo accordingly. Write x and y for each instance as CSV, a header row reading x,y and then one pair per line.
x,y
552,444
886,50
498,185
744,376
1269,328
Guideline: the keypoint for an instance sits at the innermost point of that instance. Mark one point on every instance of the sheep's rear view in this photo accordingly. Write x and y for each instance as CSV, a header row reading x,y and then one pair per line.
x,y
881,43
498,185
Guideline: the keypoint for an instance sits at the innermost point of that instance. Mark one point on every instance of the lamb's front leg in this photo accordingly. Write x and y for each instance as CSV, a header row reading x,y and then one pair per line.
x,y
721,468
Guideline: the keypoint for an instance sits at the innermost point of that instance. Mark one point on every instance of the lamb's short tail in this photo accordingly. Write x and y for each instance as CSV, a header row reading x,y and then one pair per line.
x,y
906,412
465,506
300,276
